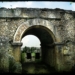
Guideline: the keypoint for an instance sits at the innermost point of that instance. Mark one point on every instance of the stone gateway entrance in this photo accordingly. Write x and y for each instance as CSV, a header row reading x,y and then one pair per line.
x,y
54,27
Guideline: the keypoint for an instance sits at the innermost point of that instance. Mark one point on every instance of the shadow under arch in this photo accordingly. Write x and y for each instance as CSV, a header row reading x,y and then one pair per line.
x,y
37,27
47,38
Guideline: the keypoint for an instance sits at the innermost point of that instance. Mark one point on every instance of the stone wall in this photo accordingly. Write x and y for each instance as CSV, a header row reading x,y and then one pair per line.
x,y
4,58
60,22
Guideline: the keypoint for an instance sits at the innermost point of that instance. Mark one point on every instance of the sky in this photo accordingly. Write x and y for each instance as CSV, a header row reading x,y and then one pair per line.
x,y
30,40
39,4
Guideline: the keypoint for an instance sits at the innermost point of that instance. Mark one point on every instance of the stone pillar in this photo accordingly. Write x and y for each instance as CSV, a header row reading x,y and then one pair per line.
x,y
15,65
17,51
4,57
59,56
52,54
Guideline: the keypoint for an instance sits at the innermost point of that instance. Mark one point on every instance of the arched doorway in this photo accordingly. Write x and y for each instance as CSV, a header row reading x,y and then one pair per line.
x,y
47,39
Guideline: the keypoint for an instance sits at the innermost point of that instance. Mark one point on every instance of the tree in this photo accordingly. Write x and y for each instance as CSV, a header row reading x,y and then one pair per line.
x,y
33,49
26,49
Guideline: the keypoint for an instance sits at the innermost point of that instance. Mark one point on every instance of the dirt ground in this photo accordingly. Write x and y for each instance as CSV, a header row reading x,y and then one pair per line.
x,y
37,68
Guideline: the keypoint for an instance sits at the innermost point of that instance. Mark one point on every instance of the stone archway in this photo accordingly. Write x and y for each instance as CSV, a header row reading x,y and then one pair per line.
x,y
48,45
46,37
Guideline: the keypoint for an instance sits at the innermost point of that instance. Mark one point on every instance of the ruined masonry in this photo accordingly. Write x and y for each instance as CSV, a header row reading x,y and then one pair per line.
x,y
54,27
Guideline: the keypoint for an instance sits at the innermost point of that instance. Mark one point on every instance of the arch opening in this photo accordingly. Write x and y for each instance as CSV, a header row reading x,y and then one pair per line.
x,y
46,38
